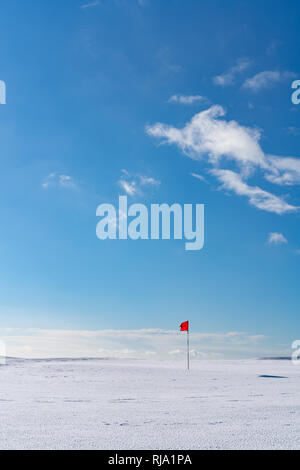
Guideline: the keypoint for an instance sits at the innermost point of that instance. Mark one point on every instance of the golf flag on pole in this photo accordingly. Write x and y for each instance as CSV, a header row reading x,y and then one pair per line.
x,y
185,326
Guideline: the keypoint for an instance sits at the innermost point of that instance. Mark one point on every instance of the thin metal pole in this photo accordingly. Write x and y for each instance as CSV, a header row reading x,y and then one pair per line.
x,y
188,350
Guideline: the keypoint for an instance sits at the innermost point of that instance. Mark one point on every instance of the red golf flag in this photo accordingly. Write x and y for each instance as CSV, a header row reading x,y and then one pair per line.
x,y
184,326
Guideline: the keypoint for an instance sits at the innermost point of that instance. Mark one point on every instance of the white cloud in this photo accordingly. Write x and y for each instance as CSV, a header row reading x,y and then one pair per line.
x,y
228,78
208,137
66,181
90,5
283,171
199,177
266,79
145,343
146,180
276,238
257,197
132,184
186,99
129,187
59,180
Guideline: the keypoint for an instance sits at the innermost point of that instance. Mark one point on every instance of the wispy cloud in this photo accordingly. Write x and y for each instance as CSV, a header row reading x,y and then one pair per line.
x,y
257,197
133,184
276,238
199,177
148,181
59,180
186,99
284,171
218,141
228,78
90,5
266,79
129,187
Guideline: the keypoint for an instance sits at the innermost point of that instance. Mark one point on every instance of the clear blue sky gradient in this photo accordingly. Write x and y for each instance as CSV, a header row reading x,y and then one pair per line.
x,y
82,84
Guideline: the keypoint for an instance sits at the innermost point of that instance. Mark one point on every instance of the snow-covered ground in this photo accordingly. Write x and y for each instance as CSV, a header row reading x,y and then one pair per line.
x,y
132,404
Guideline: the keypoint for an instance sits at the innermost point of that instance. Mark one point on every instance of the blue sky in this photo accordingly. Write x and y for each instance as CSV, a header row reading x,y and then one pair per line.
x,y
96,88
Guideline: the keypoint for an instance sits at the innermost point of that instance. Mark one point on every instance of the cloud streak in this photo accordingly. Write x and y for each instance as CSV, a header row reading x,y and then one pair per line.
x,y
199,177
59,180
257,197
90,5
133,184
267,79
186,99
228,78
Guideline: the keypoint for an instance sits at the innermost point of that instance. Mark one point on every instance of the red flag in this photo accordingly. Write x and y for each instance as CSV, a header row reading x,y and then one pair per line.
x,y
184,326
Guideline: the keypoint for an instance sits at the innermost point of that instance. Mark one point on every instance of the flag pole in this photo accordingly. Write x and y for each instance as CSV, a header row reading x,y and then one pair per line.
x,y
188,349
185,326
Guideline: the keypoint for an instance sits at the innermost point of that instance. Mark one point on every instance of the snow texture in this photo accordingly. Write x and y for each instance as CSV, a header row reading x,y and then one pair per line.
x,y
135,404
